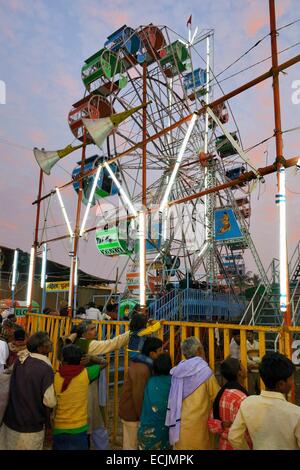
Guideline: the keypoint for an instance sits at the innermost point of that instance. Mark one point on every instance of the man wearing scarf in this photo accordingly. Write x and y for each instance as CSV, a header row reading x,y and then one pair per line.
x,y
193,389
31,396
17,347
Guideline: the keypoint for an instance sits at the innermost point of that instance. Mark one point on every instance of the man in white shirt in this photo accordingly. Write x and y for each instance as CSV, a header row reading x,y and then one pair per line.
x,y
271,421
253,361
4,353
4,313
93,313
234,348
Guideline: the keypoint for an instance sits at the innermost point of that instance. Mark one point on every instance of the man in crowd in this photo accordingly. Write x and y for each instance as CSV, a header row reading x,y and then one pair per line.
x,y
88,330
31,397
253,361
131,401
93,313
234,347
228,400
271,421
4,353
193,389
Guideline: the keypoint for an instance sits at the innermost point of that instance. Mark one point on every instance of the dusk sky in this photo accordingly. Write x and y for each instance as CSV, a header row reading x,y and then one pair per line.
x,y
43,46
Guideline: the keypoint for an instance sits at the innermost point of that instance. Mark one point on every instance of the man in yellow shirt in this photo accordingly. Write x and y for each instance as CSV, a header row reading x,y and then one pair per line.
x,y
272,422
193,390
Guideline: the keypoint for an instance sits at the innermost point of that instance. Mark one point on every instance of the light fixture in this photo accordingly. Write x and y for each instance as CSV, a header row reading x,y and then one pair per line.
x,y
44,262
30,277
90,200
281,201
178,162
15,266
123,193
64,212
142,258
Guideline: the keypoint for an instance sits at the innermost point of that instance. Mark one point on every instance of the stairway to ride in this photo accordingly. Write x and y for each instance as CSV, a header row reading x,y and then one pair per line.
x,y
196,305
264,308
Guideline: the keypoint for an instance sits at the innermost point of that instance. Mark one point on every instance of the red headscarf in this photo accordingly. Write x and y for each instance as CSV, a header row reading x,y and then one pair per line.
x,y
68,372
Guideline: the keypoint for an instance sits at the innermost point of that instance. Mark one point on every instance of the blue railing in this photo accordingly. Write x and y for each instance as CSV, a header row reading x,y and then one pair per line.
x,y
193,304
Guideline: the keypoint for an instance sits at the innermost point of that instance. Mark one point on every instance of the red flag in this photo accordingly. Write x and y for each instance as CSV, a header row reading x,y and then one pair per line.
x,y
189,21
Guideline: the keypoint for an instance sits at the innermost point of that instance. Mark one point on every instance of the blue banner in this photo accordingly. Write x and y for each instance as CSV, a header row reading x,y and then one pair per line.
x,y
226,226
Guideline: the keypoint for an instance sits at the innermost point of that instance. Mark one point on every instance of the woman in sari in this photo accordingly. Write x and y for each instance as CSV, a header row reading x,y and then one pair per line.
x,y
152,433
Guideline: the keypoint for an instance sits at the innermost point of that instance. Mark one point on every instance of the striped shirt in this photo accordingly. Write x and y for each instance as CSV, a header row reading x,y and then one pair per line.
x,y
229,406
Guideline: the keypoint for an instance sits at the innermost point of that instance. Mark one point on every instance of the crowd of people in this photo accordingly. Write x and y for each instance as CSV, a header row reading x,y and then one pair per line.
x,y
161,407
89,312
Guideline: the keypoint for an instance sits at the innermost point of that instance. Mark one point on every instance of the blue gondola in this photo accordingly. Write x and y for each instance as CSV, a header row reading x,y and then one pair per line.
x,y
105,186
195,79
115,40
236,173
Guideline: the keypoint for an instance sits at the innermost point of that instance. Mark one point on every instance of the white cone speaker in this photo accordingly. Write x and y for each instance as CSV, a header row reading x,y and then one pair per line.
x,y
46,160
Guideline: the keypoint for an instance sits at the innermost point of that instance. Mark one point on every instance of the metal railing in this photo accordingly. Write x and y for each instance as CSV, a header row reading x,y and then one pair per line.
x,y
172,333
197,304
260,295
294,261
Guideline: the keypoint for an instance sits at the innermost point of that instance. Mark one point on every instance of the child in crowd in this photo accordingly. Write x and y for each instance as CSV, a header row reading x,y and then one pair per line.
x,y
272,422
71,384
139,331
228,401
153,434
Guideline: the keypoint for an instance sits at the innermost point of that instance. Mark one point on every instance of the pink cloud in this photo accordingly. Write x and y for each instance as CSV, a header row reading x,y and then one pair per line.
x,y
257,16
116,19
69,83
8,226
255,22
38,136
15,5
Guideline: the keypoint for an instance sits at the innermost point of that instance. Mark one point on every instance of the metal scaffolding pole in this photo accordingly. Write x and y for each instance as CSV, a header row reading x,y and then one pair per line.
x,y
34,248
281,195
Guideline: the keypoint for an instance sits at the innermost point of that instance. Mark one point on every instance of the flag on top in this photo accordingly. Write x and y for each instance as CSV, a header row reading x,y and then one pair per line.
x,y
189,21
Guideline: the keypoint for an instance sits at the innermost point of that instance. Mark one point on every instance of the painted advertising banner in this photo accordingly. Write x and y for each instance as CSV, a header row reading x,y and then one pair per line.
x,y
62,286
226,225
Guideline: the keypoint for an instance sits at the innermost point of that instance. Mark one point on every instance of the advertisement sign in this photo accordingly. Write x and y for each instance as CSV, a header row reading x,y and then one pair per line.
x,y
109,242
61,286
226,226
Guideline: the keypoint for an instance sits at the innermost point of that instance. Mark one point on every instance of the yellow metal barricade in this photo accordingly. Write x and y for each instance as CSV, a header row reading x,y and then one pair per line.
x,y
172,334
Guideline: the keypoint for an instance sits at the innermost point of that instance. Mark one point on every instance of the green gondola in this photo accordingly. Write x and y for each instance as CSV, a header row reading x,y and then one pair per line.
x,y
112,241
112,64
92,69
173,58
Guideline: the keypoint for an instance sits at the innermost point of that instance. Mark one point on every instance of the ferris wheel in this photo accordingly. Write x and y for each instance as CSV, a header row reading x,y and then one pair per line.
x,y
153,70
176,78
